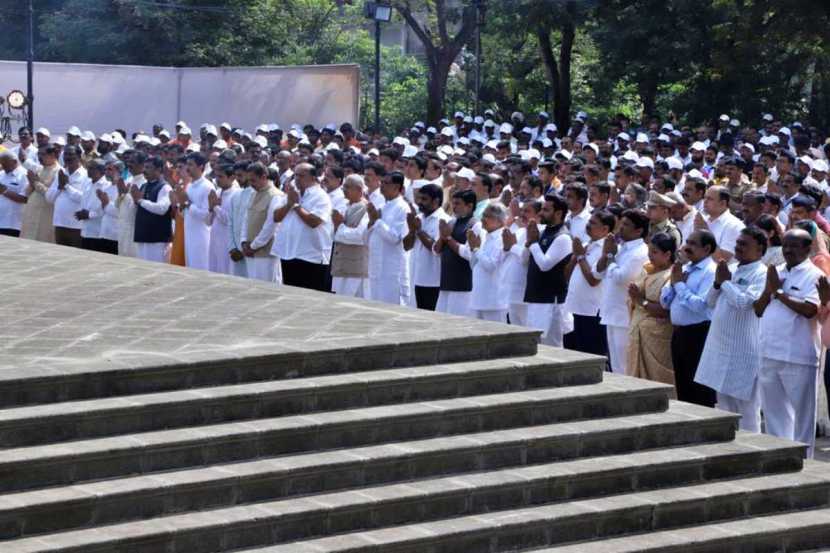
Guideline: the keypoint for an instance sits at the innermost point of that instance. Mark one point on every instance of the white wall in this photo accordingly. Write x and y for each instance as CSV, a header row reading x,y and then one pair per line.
x,y
101,98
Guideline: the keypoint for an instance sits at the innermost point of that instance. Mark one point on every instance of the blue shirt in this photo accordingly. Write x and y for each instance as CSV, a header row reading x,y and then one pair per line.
x,y
686,301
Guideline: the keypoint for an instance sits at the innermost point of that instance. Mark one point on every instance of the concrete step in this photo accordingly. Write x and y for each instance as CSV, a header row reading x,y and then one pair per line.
x,y
41,424
64,463
791,532
145,371
566,519
459,494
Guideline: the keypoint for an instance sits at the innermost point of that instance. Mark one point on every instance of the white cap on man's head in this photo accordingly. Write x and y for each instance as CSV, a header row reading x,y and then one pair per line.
x,y
74,131
466,173
674,163
88,136
447,131
44,131
698,146
645,162
506,128
410,151
724,118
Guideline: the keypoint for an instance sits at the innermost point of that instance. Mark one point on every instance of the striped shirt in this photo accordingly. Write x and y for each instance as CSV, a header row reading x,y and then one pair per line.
x,y
730,359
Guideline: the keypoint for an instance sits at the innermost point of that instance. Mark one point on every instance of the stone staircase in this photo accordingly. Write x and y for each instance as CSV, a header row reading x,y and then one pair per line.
x,y
495,449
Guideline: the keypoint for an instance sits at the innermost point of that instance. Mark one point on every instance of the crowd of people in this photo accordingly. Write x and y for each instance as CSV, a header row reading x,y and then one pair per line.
x,y
697,257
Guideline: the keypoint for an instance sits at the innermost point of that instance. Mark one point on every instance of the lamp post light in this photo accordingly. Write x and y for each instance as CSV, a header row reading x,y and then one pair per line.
x,y
380,13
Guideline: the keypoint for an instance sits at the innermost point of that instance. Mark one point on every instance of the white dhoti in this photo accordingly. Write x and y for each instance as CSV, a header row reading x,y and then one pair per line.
x,y
239,268
354,287
518,314
385,289
788,399
266,269
454,303
498,316
153,251
748,409
617,347
552,320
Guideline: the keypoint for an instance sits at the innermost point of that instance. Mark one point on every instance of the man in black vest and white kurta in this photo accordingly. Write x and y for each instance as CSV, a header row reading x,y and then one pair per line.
x,y
153,225
548,252
456,273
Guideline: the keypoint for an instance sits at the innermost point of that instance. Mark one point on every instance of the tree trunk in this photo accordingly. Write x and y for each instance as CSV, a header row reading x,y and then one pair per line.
x,y
562,110
436,89
647,90
558,72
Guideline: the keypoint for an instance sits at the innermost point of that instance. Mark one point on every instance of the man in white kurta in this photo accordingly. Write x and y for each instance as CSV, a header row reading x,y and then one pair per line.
x,y
618,267
220,208
350,236
489,300
259,229
730,359
160,207
126,207
197,216
236,213
385,233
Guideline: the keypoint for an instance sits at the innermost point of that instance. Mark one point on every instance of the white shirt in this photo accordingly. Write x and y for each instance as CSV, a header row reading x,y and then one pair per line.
x,y
622,271
385,239
68,200
377,198
577,224
730,360
109,222
515,267
489,287
426,268
11,212
726,229
297,240
338,200
584,299
91,227
786,335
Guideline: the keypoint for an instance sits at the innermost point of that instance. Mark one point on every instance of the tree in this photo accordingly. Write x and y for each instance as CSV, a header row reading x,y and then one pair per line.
x,y
442,47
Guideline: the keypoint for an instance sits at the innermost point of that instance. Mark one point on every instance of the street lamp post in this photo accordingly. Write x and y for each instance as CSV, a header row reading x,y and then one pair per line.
x,y
379,13
30,64
479,21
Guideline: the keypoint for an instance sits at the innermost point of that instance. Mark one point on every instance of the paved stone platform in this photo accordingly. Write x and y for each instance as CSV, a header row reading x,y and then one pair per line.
x,y
146,408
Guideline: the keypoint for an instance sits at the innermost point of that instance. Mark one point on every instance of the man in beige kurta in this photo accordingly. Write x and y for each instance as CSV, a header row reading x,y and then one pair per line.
x,y
37,212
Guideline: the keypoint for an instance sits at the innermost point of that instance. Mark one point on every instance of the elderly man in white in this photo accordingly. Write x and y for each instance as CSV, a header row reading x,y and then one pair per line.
x,y
788,371
489,300
729,363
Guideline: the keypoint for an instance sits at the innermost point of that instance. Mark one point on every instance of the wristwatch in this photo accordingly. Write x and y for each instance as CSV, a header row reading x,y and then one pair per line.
x,y
644,303
610,256
778,293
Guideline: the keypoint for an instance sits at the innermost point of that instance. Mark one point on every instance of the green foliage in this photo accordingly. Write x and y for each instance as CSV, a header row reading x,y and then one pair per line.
x,y
693,58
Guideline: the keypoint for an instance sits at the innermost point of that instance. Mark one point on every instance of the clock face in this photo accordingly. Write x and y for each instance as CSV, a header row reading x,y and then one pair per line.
x,y
16,99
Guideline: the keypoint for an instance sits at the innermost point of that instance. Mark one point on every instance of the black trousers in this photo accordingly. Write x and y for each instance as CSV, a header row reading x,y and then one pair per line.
x,y
98,245
588,336
426,297
68,237
9,232
686,348
109,246
296,272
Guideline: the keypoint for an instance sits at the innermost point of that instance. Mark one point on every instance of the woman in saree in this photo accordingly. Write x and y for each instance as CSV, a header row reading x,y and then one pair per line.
x,y
649,352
